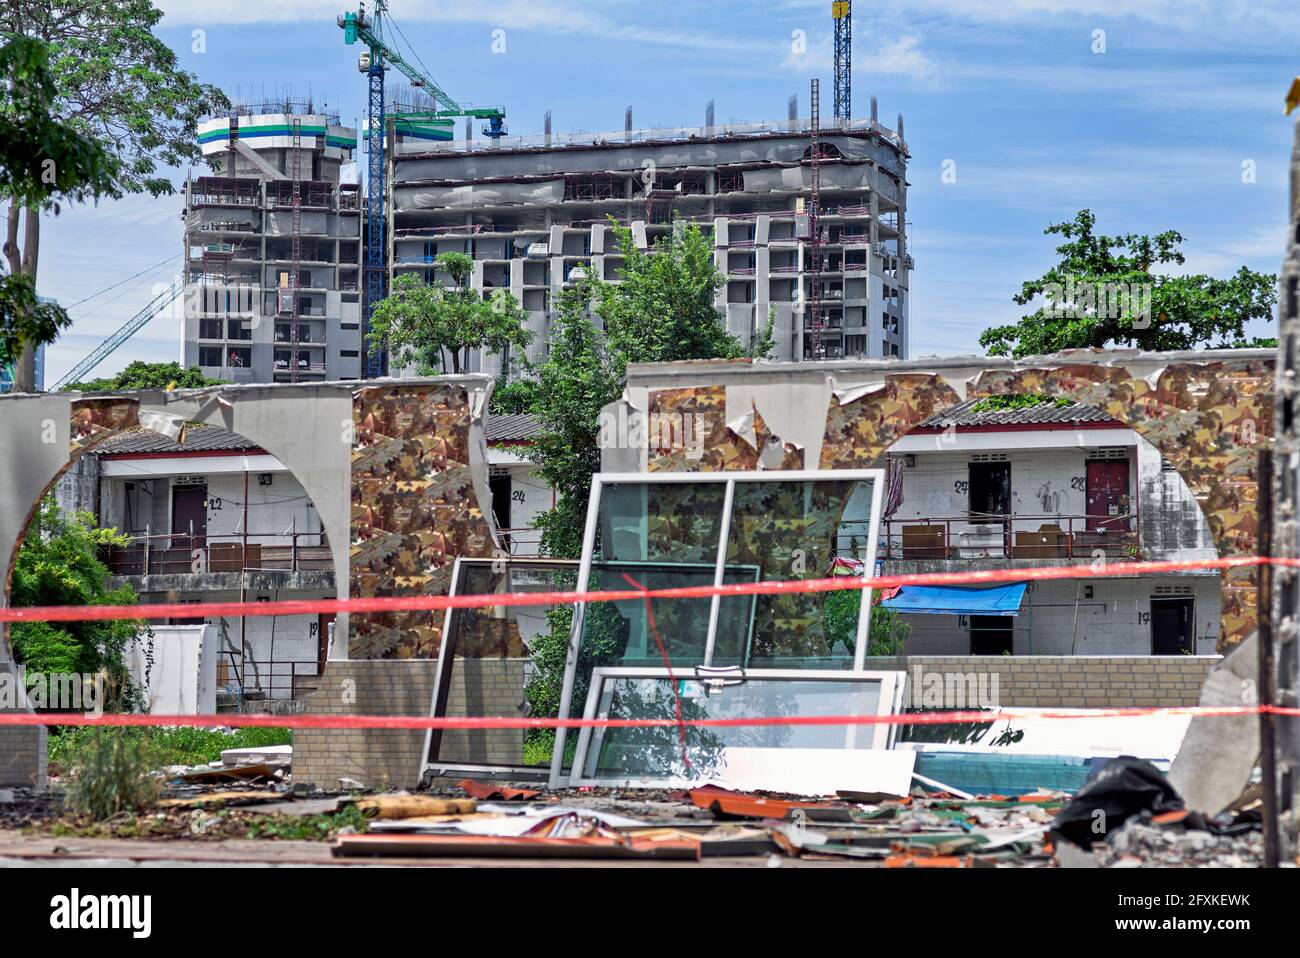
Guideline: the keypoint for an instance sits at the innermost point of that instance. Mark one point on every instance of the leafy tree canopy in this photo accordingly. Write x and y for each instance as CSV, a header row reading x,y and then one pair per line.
x,y
142,375
1105,291
59,564
117,113
1018,401
43,156
435,326
42,160
662,307
116,82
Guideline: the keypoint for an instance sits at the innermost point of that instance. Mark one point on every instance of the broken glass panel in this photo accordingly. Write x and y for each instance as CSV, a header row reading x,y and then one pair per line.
x,y
657,531
485,661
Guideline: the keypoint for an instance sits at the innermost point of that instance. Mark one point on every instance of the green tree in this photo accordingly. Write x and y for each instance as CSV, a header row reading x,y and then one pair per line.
x,y
59,564
886,634
142,375
514,396
662,307
115,83
1158,311
43,161
436,326
765,341
579,377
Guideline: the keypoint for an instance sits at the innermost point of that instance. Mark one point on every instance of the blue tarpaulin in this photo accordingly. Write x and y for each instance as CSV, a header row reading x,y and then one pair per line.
x,y
958,600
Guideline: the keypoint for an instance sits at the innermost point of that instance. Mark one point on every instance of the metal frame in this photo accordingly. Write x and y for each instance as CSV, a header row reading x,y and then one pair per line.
x,y
438,707
447,656
600,480
891,690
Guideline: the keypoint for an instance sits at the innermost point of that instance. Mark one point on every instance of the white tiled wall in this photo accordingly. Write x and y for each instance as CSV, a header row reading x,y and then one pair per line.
x,y
272,510
1051,482
1115,621
1044,482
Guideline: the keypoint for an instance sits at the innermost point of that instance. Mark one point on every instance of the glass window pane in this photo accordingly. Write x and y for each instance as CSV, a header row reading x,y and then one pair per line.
x,y
791,530
658,754
488,660
652,536
671,521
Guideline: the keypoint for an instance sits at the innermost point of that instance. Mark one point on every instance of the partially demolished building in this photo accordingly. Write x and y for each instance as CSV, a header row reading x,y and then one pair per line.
x,y
793,449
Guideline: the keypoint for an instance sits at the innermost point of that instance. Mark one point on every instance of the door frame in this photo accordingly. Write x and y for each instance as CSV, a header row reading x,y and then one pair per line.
x,y
171,507
1190,634
1127,525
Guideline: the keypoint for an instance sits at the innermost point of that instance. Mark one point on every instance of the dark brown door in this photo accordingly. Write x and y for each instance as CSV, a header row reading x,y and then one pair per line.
x,y
189,516
1107,495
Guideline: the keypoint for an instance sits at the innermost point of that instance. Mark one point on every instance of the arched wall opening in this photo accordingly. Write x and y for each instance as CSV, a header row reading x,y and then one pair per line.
x,y
396,473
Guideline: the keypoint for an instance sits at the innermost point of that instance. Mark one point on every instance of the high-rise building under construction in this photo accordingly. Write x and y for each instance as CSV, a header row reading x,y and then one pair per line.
x,y
273,249
531,210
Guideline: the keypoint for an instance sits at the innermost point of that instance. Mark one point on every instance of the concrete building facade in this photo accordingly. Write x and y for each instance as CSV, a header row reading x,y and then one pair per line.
x,y
1050,485
531,210
273,249
212,517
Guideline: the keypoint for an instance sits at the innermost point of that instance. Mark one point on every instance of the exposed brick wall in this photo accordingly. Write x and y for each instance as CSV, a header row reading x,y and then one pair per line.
x,y
22,747
377,757
495,687
1063,681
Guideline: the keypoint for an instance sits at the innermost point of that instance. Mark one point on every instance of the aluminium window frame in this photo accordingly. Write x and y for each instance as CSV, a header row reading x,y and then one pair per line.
x,y
892,683
602,479
431,764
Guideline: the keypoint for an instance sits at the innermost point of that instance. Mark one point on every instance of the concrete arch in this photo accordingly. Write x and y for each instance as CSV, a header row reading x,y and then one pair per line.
x,y
397,471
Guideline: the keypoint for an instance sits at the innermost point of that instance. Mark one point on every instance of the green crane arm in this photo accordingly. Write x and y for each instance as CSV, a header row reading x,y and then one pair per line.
x,y
418,79
357,26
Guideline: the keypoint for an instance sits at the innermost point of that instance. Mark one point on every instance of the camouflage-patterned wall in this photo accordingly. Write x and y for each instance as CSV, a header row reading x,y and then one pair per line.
x,y
1210,419
414,510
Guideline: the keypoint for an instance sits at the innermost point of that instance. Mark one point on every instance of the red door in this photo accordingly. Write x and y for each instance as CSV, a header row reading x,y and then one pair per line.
x,y
1107,495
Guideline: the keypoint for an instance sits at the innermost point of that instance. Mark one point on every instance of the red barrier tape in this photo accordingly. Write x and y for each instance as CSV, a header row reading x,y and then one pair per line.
x,y
504,722
429,603
436,602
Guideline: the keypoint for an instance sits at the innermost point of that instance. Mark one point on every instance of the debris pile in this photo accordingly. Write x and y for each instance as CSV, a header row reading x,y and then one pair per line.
x,y
925,829
1144,844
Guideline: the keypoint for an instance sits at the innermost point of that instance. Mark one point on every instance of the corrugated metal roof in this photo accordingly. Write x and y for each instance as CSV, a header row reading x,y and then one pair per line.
x,y
517,427
197,438
206,438
1043,414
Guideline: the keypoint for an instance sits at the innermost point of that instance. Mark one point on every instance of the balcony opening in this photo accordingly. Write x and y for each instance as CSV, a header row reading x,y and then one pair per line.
x,y
990,492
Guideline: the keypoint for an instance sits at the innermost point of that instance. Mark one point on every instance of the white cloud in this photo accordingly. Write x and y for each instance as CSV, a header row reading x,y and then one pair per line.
x,y
900,57
573,18
1214,18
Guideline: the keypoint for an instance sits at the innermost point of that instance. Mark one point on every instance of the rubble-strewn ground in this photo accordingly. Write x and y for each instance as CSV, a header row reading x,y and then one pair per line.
x,y
1139,844
471,822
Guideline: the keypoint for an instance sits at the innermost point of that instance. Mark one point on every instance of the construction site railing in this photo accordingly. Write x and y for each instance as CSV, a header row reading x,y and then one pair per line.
x,y
248,684
524,541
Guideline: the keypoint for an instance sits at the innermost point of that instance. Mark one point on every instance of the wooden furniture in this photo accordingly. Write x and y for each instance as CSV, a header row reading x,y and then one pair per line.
x,y
925,542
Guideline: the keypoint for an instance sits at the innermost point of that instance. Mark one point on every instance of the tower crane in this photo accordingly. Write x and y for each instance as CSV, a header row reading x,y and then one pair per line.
x,y
374,61
842,14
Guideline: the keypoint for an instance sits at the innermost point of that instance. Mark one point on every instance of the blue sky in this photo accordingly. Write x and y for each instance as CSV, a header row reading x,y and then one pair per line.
x,y
1153,133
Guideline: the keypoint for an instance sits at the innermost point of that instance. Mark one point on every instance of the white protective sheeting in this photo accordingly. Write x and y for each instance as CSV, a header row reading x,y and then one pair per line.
x,y
543,193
